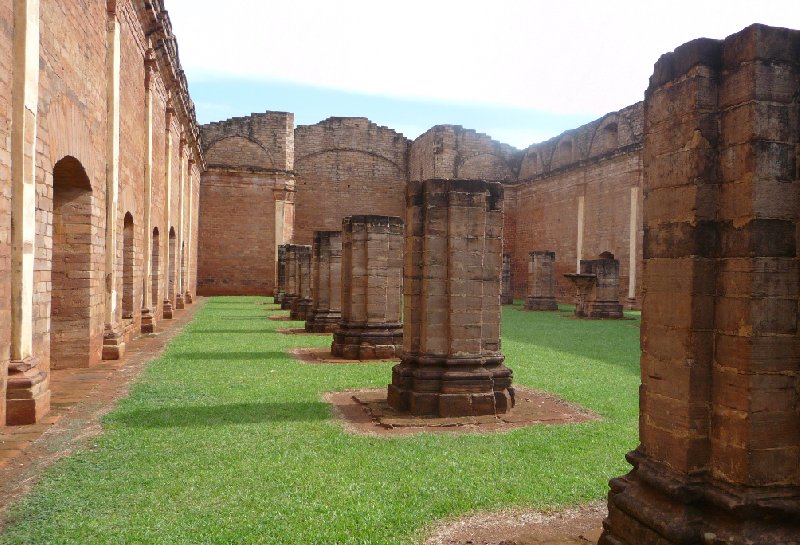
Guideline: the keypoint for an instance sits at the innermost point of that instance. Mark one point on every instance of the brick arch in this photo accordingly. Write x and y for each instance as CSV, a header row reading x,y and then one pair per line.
x,y
475,166
564,152
238,150
532,163
155,265
172,248
70,136
308,156
127,266
599,143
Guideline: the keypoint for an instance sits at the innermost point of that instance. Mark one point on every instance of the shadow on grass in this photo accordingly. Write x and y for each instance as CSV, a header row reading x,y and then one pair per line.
x,y
229,356
222,415
226,331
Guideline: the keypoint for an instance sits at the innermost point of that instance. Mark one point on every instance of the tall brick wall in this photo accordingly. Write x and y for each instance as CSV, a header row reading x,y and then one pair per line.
x,y
6,59
242,195
346,166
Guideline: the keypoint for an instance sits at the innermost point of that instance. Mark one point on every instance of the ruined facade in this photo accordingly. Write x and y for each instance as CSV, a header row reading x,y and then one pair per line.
x,y
99,187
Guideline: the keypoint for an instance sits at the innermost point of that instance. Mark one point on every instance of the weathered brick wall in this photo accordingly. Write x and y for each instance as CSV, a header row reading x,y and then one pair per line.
x,y
250,161
346,166
600,162
6,39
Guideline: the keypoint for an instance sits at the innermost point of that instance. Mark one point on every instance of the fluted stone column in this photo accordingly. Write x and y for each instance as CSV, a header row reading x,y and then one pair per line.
x,y
280,288
326,311
541,281
292,288
604,302
302,305
451,363
719,456
372,283
507,290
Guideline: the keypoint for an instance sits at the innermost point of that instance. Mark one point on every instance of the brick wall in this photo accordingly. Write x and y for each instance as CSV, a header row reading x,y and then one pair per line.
x,y
6,39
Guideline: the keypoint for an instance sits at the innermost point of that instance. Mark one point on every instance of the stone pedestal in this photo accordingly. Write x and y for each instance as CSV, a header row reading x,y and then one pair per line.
x,y
167,314
280,287
583,287
291,277
27,392
326,312
604,302
113,342
541,281
179,302
148,321
372,283
451,363
188,298
719,456
301,305
507,290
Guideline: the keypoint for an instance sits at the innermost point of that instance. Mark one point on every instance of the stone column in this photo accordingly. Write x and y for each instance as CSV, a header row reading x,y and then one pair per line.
x,y
541,281
302,304
291,277
113,343
28,386
169,261
187,298
451,363
180,250
148,305
605,298
280,288
372,284
507,291
719,455
326,311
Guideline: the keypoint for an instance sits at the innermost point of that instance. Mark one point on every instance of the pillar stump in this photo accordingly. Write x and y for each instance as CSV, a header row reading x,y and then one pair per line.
x,y
604,302
719,456
451,363
372,284
280,285
291,292
541,281
326,311
302,304
507,291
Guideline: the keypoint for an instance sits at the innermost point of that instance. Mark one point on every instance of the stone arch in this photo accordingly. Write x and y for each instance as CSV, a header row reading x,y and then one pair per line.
x,y
69,135
155,266
239,151
127,267
531,164
563,154
336,151
71,273
611,133
484,166
607,255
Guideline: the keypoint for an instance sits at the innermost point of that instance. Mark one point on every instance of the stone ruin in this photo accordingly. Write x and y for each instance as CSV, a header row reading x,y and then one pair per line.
x,y
326,311
280,285
372,283
604,300
506,292
541,281
451,362
301,306
292,288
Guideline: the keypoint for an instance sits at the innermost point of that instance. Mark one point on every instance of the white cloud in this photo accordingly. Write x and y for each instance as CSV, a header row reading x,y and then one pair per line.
x,y
557,56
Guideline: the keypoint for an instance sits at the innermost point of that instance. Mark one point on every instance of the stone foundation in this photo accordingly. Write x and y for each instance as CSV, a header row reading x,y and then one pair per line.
x,y
372,282
541,281
27,392
451,363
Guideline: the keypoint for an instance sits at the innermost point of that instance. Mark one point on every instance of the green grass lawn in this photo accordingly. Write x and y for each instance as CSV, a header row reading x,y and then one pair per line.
x,y
224,439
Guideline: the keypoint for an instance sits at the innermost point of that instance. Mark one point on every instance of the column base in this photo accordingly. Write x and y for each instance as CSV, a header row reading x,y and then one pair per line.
x,y
451,387
367,341
301,308
277,299
28,392
3,382
506,299
631,303
179,304
541,303
188,299
113,342
657,506
286,302
323,322
605,309
167,314
148,321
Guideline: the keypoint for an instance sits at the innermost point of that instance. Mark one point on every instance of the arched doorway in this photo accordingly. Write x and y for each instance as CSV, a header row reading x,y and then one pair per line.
x,y
127,267
155,266
170,298
71,276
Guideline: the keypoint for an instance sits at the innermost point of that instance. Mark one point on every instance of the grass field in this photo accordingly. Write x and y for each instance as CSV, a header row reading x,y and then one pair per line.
x,y
224,439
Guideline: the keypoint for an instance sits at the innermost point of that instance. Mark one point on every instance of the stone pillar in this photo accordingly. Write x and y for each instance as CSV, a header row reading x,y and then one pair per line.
x,y
180,250
451,363
579,242
302,304
187,297
326,311
169,260
280,288
507,291
605,298
148,305
291,277
113,343
541,281
28,386
719,456
633,258
372,285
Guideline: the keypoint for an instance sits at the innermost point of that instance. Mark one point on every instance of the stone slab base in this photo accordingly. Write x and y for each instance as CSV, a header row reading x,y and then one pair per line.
x,y
372,342
113,344
27,393
188,298
368,412
179,304
167,315
148,322
301,308
278,298
605,309
541,303
324,322
506,299
286,302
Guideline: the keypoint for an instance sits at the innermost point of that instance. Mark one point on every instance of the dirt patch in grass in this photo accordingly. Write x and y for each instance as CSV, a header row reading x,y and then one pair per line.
x,y
300,331
280,318
323,356
575,526
366,412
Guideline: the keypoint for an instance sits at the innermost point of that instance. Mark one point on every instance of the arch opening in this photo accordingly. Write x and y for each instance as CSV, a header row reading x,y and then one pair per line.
x,y
155,266
127,267
171,266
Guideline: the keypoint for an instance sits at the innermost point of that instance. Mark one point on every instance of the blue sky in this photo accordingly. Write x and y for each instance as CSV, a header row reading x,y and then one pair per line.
x,y
521,71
